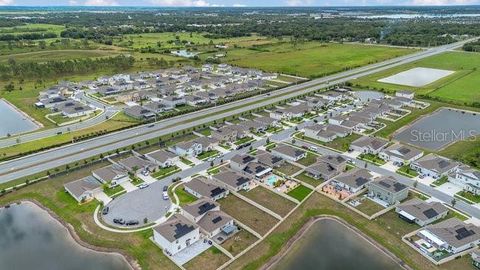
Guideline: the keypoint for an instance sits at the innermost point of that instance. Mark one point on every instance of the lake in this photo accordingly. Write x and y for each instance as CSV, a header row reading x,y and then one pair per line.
x,y
13,122
329,245
417,77
31,239
440,129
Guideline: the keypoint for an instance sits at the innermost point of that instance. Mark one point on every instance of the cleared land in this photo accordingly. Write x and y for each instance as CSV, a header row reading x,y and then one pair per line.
x,y
56,55
248,214
310,59
239,242
212,258
463,86
270,200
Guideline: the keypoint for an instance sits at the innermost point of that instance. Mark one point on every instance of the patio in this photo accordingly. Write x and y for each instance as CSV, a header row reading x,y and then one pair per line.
x,y
336,191
191,252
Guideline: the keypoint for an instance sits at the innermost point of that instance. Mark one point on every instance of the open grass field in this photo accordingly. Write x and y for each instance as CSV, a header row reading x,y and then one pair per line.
x,y
387,230
247,214
239,242
210,259
461,87
56,55
299,193
310,59
288,169
369,207
50,194
270,200
33,28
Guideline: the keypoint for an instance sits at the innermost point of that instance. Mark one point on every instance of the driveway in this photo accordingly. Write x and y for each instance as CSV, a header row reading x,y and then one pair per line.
x,y
389,166
139,204
128,186
449,188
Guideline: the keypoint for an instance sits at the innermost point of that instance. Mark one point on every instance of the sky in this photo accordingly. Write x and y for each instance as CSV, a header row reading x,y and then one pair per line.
x,y
230,3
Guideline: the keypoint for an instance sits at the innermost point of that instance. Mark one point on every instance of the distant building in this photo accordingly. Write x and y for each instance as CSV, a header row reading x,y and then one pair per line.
x,y
405,94
162,158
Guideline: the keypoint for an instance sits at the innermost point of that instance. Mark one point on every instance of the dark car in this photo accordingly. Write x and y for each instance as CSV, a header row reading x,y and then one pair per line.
x,y
165,188
119,221
105,210
132,222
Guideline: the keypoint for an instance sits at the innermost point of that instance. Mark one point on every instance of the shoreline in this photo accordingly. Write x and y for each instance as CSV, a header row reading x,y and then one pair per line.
x,y
303,230
24,114
130,261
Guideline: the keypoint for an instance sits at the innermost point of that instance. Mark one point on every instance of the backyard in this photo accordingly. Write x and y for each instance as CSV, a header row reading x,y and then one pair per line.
x,y
270,200
239,242
299,193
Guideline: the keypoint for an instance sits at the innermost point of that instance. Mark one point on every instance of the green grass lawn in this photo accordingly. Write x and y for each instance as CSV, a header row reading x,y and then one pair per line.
x,y
205,131
469,196
308,160
208,154
310,59
164,172
183,196
440,181
288,169
244,140
463,86
114,190
304,177
186,161
369,207
299,193
407,171
340,144
467,152
372,159
56,55
270,200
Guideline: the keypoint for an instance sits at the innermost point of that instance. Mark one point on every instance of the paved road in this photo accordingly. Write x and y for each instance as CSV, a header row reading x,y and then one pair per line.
x,y
108,112
445,198
46,160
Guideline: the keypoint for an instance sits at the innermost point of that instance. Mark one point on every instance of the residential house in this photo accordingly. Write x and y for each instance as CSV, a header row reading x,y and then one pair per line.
x,y
139,112
157,107
112,175
369,145
173,101
196,210
257,170
352,181
405,94
196,100
229,133
434,166
288,152
327,167
215,222
476,258
176,234
233,180
240,161
84,189
466,177
289,112
202,187
135,164
331,96
268,159
268,121
421,212
388,190
451,235
399,153
162,158
72,109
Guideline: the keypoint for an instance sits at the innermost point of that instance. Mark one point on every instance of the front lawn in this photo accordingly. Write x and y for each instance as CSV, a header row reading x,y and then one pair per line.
x,y
299,193
208,154
187,162
407,171
469,196
113,190
164,172
244,140
372,159
440,181
183,196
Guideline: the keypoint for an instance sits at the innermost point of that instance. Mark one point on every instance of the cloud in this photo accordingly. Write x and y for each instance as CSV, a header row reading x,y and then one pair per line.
x,y
101,3
6,2
442,2
181,3
239,5
73,2
294,3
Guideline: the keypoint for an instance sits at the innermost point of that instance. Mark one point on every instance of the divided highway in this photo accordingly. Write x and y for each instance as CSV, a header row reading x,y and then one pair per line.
x,y
35,163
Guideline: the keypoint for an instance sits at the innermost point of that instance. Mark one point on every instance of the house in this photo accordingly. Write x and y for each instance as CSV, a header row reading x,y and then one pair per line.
x,y
83,189
254,126
196,100
434,166
111,174
229,133
399,153
139,112
189,149
369,145
267,159
162,158
157,107
353,180
176,234
289,113
467,178
327,167
405,94
173,101
451,235
476,258
268,121
240,161
388,190
216,222
50,102
420,212
201,187
256,169
196,210
136,164
72,109
233,180
288,152
331,95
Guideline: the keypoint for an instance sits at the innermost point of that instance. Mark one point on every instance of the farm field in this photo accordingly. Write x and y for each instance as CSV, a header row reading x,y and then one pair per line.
x,y
310,59
55,55
461,87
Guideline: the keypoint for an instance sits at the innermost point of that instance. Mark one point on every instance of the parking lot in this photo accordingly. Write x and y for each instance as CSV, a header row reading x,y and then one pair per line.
x,y
139,204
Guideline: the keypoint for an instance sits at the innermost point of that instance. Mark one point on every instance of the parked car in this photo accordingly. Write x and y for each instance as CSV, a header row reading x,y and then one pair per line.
x,y
165,188
132,222
165,195
313,148
151,125
105,210
119,221
142,186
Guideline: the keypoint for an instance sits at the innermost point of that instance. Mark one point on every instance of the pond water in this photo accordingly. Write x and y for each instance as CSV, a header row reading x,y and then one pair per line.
x,y
417,77
13,122
329,245
31,239
366,96
441,128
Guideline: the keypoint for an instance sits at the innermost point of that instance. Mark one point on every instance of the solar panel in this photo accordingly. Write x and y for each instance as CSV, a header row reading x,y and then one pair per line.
x,y
463,233
217,219
430,213
404,150
385,184
181,230
443,164
205,207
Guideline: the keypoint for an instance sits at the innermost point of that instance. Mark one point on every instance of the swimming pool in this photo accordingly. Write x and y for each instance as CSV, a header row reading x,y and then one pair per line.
x,y
272,179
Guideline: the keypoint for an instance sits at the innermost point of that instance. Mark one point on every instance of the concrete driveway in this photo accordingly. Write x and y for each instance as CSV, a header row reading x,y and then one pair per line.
x,y
139,204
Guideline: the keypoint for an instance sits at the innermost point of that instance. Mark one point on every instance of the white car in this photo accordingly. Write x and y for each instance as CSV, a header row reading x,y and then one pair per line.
x,y
142,186
165,195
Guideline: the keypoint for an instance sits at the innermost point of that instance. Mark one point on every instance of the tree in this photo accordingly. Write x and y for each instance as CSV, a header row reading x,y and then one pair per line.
x,y
453,202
